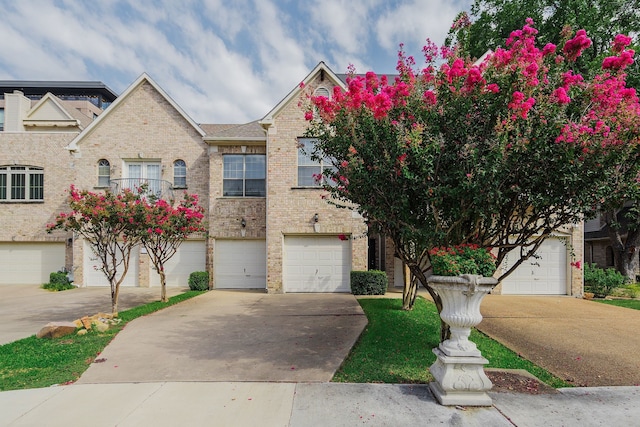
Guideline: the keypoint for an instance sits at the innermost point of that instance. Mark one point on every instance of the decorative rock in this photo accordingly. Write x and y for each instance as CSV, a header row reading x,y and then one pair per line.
x,y
100,327
82,332
57,330
78,323
86,322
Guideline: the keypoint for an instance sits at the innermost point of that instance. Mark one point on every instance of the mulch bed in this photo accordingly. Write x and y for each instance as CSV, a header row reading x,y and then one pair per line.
x,y
515,382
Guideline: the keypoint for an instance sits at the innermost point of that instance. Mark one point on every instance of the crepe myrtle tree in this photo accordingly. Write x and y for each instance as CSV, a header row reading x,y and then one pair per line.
x,y
489,24
109,222
165,227
499,153
114,224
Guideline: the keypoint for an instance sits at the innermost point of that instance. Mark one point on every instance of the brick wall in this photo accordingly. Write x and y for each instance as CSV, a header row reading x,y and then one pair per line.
x,y
290,210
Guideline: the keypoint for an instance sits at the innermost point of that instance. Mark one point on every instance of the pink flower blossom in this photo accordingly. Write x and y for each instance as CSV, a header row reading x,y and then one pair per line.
x,y
561,95
573,48
620,42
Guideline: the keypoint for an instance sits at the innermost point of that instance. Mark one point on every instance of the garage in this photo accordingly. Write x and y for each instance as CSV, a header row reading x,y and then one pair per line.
x,y
190,257
240,264
29,263
93,276
545,274
316,264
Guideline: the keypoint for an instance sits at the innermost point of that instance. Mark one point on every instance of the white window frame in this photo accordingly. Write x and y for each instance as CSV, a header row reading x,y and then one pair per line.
x,y
21,184
104,173
306,164
179,174
243,174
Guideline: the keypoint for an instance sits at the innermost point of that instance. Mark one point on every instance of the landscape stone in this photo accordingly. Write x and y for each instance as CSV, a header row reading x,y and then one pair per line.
x,y
101,327
57,330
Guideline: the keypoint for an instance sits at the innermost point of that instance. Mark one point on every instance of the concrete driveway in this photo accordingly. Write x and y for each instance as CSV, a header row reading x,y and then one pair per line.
x,y
235,336
25,309
584,342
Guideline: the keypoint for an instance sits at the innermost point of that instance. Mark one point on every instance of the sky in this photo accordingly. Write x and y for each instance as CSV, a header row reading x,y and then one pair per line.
x,y
222,61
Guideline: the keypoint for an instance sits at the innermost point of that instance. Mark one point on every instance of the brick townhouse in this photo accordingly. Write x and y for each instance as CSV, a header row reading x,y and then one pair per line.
x,y
268,225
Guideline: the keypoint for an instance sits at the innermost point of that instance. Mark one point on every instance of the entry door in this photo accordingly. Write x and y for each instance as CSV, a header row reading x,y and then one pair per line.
x,y
144,172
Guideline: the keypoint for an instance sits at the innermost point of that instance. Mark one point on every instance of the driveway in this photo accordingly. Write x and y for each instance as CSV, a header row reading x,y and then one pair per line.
x,y
584,342
25,309
235,336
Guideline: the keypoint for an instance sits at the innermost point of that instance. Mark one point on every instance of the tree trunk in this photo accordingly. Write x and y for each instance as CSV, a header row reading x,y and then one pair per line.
x,y
163,285
625,254
409,290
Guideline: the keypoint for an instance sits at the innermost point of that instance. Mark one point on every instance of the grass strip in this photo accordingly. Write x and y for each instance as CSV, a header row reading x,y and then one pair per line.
x,y
396,346
626,303
34,363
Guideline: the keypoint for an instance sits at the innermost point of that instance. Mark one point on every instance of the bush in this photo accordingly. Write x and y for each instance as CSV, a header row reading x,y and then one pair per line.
x,y
58,281
372,282
199,281
601,282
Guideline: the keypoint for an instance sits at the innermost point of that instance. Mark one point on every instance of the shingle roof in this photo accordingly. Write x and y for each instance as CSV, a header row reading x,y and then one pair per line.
x,y
246,130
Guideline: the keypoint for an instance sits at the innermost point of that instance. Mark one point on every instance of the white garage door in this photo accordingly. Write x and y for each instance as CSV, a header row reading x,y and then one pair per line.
x,y
190,257
95,277
544,275
29,263
317,264
240,264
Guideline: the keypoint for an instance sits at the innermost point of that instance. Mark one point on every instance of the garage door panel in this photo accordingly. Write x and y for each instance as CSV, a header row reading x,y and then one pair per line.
x,y
316,264
30,263
190,257
240,264
545,274
93,276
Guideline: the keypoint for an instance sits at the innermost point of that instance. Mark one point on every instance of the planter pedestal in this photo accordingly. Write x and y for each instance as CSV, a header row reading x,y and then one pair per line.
x,y
458,369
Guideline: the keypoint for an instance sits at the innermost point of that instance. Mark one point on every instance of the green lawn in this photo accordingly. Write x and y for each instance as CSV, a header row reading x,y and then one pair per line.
x,y
34,363
627,303
396,346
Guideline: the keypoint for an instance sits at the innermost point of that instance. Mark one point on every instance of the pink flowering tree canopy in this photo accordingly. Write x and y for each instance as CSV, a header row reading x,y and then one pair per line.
x,y
109,223
115,223
499,153
165,227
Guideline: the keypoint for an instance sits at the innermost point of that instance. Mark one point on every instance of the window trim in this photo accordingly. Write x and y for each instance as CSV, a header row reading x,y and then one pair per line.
x,y
176,168
244,178
102,176
321,165
32,182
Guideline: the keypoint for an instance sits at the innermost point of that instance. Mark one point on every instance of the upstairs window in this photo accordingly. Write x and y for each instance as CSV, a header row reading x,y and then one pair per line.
x,y
179,174
244,175
21,183
310,171
104,173
1,119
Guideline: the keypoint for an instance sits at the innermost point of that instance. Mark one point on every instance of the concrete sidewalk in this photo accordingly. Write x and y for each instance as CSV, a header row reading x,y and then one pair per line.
x,y
243,404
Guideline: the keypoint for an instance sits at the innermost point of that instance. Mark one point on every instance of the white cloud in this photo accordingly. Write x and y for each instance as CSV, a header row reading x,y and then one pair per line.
x,y
221,61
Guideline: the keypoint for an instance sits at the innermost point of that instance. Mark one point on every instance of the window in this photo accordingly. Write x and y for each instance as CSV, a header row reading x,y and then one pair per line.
x,y
244,175
309,170
179,174
1,119
22,183
104,173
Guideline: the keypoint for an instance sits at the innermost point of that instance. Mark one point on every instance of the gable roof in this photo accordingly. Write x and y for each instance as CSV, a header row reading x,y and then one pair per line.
x,y
143,78
321,69
250,132
49,111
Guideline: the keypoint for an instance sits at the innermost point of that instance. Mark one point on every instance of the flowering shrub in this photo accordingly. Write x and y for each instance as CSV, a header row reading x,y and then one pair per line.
x,y
462,259
498,153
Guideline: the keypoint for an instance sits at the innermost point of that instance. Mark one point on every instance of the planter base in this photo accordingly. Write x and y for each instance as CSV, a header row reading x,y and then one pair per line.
x,y
460,380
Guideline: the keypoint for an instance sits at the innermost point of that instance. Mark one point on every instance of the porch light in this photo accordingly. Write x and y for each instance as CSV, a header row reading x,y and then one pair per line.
x,y
243,223
316,218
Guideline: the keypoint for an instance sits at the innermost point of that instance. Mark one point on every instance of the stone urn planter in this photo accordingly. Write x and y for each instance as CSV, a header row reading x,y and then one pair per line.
x,y
458,369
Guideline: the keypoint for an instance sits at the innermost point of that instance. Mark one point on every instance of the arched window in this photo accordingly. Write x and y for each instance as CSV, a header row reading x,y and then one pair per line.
x,y
104,173
322,91
179,174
